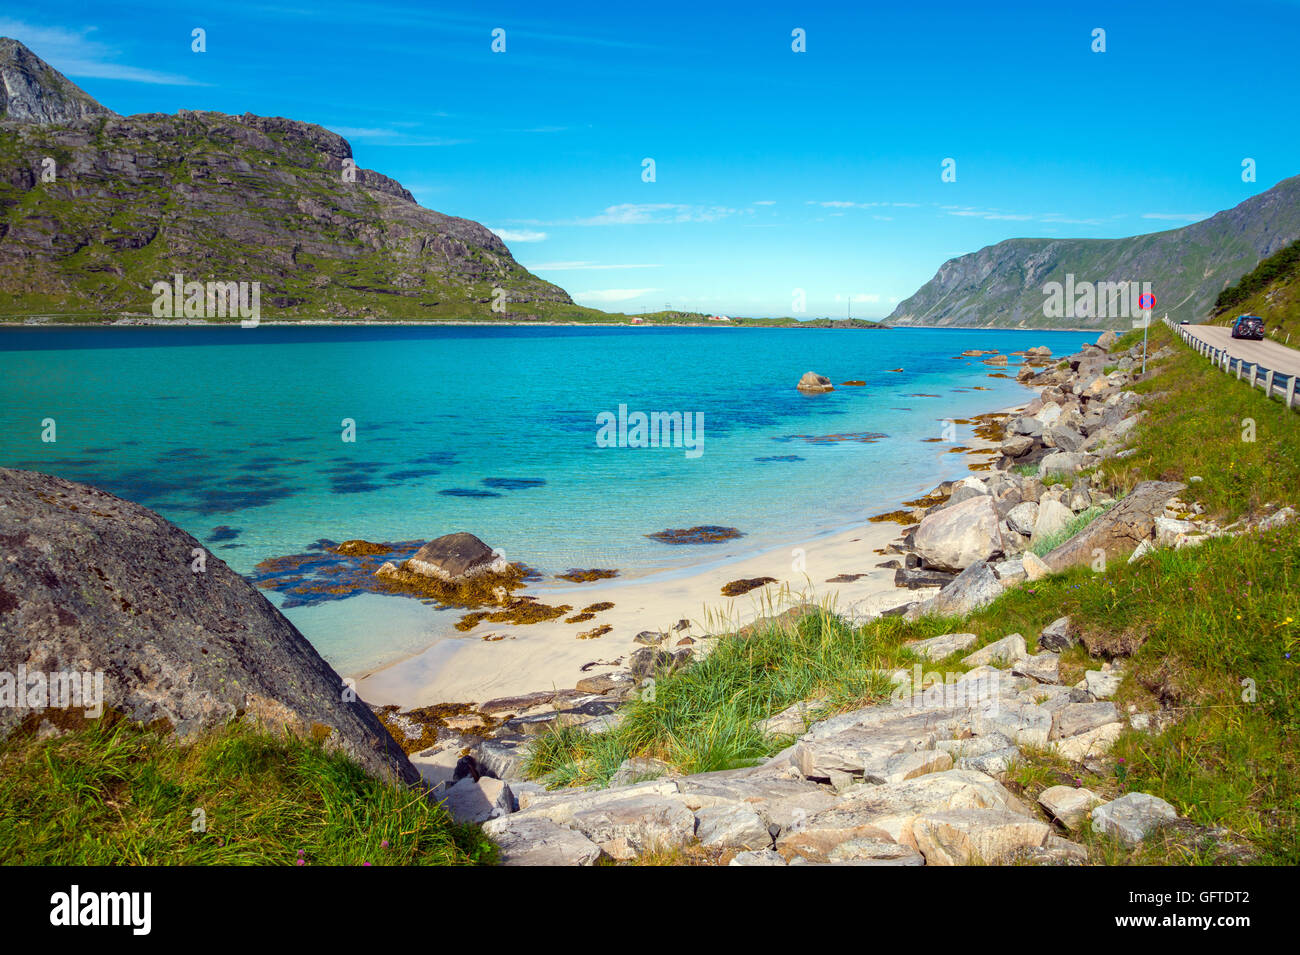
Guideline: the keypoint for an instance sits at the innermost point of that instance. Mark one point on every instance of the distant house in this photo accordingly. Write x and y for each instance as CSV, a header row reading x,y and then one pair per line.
x,y
719,318
637,320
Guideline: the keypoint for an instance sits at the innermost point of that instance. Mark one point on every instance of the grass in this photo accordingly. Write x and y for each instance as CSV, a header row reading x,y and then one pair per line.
x,y
1200,426
703,718
118,794
1050,542
1208,637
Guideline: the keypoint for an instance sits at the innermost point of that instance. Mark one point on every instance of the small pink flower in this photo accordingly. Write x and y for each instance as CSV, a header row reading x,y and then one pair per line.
x,y
302,862
365,863
384,844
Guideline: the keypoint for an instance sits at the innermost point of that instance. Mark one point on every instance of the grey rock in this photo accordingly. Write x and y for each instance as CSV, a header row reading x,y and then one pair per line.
x,y
1076,718
1023,517
736,827
1132,817
1044,667
1120,529
1277,519
1007,650
1103,684
995,763
90,582
503,756
1069,805
974,587
945,645
759,857
476,800
958,536
1057,635
976,836
536,841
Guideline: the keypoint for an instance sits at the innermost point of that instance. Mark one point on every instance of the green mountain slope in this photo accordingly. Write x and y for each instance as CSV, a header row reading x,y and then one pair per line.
x,y
95,208
1003,284
1270,290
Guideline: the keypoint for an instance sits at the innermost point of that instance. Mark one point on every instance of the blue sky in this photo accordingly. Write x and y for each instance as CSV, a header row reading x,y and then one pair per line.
x,y
775,170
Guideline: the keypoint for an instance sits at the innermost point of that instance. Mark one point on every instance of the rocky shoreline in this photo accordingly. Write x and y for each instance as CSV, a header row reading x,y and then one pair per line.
x,y
915,781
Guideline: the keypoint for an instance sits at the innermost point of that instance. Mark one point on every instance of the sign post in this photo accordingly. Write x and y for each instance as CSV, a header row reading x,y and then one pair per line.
x,y
1146,303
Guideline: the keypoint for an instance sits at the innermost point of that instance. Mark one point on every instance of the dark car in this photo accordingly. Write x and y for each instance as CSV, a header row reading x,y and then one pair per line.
x,y
1248,326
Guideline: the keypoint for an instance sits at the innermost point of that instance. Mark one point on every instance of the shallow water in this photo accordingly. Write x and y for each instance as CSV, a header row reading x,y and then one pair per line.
x,y
237,435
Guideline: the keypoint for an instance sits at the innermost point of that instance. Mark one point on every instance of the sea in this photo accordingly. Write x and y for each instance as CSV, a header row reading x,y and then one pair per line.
x,y
263,442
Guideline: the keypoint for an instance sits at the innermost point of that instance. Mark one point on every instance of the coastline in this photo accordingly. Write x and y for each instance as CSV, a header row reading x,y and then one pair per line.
x,y
526,658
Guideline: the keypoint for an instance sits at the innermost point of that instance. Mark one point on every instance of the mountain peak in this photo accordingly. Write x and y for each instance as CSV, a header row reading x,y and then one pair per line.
x,y
32,91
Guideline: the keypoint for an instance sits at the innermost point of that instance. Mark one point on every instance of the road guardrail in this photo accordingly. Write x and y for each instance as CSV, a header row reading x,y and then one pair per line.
x,y
1274,383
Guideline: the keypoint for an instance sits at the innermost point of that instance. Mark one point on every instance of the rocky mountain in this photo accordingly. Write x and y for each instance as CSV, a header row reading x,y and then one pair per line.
x,y
32,91
96,208
1003,284
92,584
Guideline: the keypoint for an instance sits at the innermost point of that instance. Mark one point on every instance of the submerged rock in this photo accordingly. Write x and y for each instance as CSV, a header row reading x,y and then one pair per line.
x,y
701,534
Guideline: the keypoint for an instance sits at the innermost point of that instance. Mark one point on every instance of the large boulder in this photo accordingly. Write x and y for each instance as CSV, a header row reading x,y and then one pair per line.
x,y
456,557
1119,530
957,536
94,584
974,587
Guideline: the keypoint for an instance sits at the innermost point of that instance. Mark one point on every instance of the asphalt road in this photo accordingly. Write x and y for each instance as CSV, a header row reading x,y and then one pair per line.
x,y
1267,353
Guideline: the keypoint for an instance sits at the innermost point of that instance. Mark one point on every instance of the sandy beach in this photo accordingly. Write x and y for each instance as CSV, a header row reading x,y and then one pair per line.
x,y
526,658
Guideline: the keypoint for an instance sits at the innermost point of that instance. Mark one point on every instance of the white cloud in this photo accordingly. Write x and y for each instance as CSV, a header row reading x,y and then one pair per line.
x,y
656,213
519,235
1176,216
74,53
765,202
584,266
612,294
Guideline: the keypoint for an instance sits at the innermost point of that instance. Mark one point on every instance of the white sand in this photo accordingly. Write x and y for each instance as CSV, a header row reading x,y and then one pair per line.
x,y
549,655
465,668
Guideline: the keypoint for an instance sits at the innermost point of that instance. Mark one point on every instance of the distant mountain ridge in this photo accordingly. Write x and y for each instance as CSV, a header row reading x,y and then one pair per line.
x,y
96,208
1003,284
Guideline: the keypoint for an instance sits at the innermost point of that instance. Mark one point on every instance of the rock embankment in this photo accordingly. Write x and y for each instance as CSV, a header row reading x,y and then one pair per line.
x,y
1035,513
90,583
917,781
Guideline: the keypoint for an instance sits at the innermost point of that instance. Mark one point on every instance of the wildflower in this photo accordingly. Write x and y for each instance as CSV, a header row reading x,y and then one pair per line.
x,y
384,844
302,862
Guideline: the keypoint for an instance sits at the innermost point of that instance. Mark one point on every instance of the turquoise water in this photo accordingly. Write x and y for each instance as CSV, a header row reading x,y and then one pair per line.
x,y
236,435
